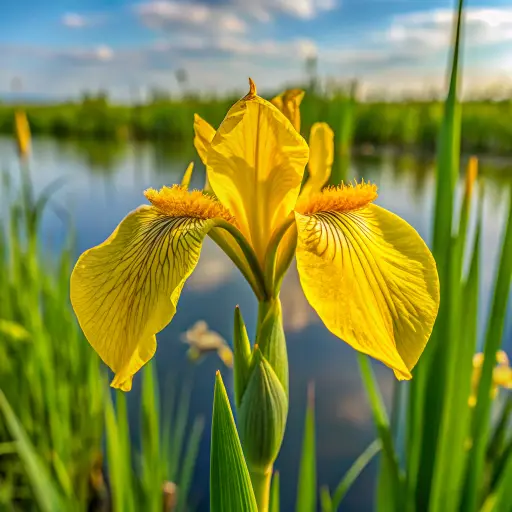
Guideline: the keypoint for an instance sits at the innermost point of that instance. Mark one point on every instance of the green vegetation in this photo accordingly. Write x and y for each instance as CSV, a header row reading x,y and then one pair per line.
x,y
407,124
56,409
55,404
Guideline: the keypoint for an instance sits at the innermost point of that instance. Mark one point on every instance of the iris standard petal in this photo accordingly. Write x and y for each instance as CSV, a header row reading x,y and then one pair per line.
x,y
255,166
371,279
321,154
288,103
203,136
125,290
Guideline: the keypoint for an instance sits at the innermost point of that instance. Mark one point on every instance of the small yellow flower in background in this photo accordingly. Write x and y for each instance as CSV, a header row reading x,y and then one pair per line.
x,y
366,272
202,340
501,375
22,131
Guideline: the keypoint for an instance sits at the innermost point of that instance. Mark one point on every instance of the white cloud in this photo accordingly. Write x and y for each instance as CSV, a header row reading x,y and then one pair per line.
x,y
264,10
170,15
73,20
433,28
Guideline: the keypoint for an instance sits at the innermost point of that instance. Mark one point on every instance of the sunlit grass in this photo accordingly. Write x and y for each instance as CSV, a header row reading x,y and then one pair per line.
x,y
55,404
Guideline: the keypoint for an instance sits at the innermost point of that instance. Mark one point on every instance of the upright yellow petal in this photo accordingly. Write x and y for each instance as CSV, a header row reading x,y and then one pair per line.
x,y
125,290
187,176
288,103
203,136
255,166
369,276
321,155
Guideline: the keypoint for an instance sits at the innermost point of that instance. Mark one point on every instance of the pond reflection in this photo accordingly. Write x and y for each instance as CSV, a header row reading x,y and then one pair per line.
x,y
105,181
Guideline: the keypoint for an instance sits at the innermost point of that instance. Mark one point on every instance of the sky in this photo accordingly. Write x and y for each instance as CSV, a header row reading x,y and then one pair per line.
x,y
61,48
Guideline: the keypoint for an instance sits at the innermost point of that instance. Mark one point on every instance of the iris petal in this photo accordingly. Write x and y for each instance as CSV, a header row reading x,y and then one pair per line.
x,y
203,136
126,290
372,280
255,166
321,149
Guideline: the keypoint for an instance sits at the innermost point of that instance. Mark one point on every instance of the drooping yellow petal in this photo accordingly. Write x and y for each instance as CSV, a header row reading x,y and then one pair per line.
x,y
370,277
288,103
125,290
203,136
255,166
321,155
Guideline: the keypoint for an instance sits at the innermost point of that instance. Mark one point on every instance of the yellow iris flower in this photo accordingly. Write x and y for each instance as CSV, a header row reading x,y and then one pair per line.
x,y
501,375
366,272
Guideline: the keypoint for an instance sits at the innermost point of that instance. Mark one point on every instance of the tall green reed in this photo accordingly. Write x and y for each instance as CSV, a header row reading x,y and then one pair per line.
x,y
55,407
448,455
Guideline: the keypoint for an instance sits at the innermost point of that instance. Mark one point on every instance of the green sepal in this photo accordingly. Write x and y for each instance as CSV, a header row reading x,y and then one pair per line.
x,y
241,355
230,482
262,414
271,339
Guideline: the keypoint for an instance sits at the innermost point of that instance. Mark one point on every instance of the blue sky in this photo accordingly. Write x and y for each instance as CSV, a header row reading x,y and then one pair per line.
x,y
63,47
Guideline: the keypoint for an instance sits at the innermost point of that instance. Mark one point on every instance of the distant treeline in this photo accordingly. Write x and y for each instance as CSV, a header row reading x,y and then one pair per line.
x,y
486,125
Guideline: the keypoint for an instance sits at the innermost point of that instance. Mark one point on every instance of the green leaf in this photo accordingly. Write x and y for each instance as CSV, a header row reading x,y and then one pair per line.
x,y
274,494
354,471
451,451
118,453
45,492
241,356
501,499
325,500
389,465
306,492
189,463
230,482
429,378
494,336
152,464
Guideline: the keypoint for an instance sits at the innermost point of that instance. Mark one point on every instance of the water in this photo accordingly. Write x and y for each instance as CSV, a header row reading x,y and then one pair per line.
x,y
103,182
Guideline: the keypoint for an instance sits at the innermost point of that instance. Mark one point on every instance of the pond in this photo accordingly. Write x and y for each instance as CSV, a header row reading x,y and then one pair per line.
x,y
103,182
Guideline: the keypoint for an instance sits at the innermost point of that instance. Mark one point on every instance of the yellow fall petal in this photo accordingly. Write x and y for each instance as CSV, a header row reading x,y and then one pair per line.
x,y
125,290
371,279
255,166
321,155
288,103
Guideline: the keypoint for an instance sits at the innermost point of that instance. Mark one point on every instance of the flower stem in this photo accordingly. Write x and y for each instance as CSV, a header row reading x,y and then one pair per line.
x,y
261,485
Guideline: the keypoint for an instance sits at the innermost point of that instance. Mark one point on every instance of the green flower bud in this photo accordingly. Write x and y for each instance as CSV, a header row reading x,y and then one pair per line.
x,y
262,414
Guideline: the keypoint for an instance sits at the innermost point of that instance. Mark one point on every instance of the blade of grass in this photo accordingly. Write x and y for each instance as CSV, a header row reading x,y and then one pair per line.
x,y
426,397
325,500
230,482
274,493
451,449
306,490
152,466
354,471
189,464
494,336
390,462
45,492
